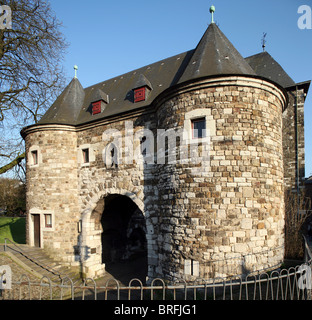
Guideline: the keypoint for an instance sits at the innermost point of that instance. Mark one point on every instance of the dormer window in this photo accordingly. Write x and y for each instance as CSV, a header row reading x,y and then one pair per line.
x,y
142,89
139,94
96,107
99,101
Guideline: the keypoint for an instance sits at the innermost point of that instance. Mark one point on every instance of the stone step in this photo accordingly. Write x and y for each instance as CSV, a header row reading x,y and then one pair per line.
x,y
40,262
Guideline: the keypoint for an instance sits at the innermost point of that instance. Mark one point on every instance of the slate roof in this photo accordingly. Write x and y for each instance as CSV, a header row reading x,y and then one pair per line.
x,y
66,108
265,66
213,56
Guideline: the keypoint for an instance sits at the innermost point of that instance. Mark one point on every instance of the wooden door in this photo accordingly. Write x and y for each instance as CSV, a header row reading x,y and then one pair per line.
x,y
36,218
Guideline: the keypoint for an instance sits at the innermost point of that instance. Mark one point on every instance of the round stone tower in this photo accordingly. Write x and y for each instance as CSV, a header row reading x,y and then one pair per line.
x,y
52,183
222,212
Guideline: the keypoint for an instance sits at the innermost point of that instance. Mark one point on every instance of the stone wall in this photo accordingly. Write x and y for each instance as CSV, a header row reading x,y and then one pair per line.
x,y
237,206
293,139
228,205
52,188
97,180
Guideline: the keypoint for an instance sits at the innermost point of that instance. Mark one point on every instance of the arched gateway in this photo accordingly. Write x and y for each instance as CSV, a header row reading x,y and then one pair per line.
x,y
113,235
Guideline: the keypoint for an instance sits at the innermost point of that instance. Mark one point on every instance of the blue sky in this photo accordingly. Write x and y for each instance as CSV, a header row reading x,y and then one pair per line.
x,y
109,38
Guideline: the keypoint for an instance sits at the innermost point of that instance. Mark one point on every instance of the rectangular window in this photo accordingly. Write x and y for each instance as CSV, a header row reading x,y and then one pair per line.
x,y
34,155
48,220
198,127
85,155
139,94
79,226
191,267
96,107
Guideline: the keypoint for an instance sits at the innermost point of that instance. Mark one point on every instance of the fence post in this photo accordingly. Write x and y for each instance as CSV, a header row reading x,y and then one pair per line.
x,y
309,286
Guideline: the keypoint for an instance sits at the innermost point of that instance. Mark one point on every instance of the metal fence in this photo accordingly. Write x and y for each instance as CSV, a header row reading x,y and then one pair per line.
x,y
287,284
293,283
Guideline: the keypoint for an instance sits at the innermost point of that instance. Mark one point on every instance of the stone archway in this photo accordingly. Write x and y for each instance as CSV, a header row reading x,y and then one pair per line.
x,y
124,244
92,229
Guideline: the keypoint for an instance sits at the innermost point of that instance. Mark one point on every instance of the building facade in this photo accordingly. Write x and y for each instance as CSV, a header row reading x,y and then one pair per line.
x,y
182,164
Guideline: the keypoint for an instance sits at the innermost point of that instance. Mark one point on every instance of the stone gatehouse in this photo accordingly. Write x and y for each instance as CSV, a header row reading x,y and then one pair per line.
x,y
181,163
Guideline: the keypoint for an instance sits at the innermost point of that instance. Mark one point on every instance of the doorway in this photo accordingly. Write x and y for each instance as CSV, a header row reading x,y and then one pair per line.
x,y
124,245
36,221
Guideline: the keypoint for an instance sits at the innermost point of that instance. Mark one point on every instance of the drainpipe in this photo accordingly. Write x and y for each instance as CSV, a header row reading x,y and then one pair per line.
x,y
297,143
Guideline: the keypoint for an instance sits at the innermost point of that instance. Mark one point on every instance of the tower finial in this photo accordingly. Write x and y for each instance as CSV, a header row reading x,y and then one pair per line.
x,y
212,11
76,68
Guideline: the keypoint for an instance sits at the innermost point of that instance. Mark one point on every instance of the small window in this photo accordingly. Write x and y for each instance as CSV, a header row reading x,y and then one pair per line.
x,y
198,127
191,267
34,155
111,156
48,220
143,146
79,226
85,155
96,107
139,94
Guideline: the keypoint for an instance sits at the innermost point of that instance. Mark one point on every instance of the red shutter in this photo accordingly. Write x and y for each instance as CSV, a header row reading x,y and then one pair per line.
x,y
96,107
139,94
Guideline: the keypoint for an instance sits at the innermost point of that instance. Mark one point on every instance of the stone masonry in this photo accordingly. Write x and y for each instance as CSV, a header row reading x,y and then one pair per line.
x,y
204,207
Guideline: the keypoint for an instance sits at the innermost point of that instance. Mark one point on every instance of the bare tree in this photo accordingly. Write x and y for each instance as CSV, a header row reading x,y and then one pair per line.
x,y
31,74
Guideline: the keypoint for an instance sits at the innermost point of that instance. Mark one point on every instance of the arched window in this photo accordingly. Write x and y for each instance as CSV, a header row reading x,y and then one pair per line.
x,y
111,156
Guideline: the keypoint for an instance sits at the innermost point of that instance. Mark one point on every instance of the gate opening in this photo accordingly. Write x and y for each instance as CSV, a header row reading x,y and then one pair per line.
x,y
124,245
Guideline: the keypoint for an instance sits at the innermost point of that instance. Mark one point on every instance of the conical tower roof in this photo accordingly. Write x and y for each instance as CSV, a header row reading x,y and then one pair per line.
x,y
266,66
66,108
215,55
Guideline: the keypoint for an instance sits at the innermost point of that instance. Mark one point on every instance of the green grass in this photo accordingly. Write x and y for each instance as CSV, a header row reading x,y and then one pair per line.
x,y
13,229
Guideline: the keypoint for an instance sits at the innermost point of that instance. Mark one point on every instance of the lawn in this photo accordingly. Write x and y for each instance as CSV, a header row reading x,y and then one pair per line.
x,y
13,229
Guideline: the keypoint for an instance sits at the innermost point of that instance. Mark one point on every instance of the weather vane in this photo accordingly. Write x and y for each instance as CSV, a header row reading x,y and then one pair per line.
x,y
264,41
76,68
212,11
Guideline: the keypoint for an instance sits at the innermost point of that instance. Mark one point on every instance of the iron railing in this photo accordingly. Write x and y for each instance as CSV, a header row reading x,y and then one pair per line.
x,y
286,284
17,249
293,283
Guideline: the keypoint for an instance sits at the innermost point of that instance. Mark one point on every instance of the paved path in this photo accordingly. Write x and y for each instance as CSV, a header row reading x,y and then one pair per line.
x,y
38,262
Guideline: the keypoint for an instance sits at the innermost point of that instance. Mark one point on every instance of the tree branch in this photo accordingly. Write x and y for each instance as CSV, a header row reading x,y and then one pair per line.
x,y
12,164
